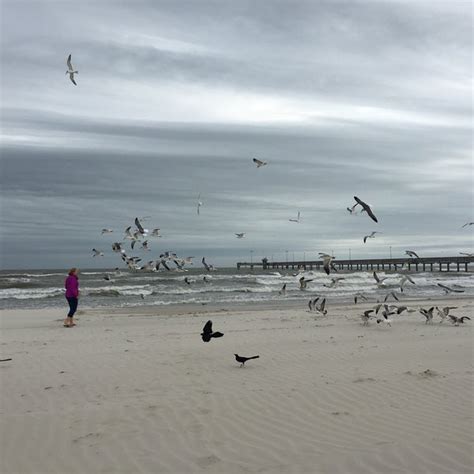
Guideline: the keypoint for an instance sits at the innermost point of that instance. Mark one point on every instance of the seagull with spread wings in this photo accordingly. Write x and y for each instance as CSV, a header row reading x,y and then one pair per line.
x,y
259,163
70,70
366,208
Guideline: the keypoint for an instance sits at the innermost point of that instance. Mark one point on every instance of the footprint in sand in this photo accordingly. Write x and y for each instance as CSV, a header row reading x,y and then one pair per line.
x,y
207,461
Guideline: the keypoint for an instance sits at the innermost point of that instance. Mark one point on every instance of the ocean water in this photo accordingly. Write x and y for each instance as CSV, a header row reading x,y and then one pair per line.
x,y
43,289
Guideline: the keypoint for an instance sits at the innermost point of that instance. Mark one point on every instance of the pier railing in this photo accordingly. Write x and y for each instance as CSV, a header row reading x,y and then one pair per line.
x,y
432,264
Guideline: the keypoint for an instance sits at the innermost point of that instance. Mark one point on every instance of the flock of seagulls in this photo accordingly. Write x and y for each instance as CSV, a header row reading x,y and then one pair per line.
x,y
391,310
140,235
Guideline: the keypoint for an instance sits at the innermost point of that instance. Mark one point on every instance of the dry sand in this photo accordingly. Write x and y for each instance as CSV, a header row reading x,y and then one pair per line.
x,y
137,391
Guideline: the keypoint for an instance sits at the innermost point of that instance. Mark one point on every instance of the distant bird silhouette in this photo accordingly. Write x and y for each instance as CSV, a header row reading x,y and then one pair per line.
x,y
207,333
242,360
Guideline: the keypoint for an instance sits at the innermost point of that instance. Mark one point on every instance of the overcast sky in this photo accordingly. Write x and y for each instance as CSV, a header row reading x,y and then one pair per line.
x,y
174,98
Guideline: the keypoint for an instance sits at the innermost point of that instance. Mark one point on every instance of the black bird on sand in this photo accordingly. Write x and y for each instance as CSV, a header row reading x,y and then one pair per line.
x,y
242,360
207,333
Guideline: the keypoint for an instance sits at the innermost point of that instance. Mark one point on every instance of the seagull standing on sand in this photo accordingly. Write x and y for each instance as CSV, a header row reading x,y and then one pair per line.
x,y
444,313
371,236
297,220
259,163
366,208
70,70
366,317
242,359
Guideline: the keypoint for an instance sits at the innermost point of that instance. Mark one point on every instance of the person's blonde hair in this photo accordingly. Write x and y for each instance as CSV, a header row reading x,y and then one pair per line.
x,y
72,271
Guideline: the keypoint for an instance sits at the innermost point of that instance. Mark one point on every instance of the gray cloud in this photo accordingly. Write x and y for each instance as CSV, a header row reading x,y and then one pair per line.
x,y
174,99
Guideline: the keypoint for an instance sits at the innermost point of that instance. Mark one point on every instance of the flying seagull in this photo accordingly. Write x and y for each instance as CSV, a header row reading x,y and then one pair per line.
x,y
361,296
70,70
242,359
366,208
97,253
141,230
155,233
371,236
240,235
327,262
297,220
207,266
199,204
379,281
466,254
428,314
334,282
455,320
447,289
411,253
283,290
352,210
392,294
303,283
259,163
117,247
404,279
467,224
207,333
106,231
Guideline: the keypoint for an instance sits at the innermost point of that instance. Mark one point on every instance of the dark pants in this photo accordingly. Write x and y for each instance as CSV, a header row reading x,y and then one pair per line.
x,y
73,302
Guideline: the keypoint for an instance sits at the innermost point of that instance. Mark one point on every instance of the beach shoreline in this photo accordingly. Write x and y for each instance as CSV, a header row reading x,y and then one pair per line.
x,y
136,390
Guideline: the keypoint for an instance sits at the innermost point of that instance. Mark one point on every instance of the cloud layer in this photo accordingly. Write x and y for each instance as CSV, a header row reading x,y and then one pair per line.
x,y
175,98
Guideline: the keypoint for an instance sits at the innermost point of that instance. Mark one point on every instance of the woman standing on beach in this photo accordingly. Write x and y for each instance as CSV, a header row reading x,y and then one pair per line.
x,y
72,295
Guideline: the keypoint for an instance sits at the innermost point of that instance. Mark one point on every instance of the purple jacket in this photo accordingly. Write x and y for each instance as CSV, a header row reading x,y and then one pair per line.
x,y
72,286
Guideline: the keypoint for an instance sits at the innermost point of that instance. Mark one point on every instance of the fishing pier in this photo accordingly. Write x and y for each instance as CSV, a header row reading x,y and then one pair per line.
x,y
432,264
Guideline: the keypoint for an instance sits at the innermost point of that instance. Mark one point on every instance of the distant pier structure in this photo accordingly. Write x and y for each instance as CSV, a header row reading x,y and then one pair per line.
x,y
432,264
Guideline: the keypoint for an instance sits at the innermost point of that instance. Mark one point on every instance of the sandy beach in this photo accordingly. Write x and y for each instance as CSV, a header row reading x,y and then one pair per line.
x,y
136,390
